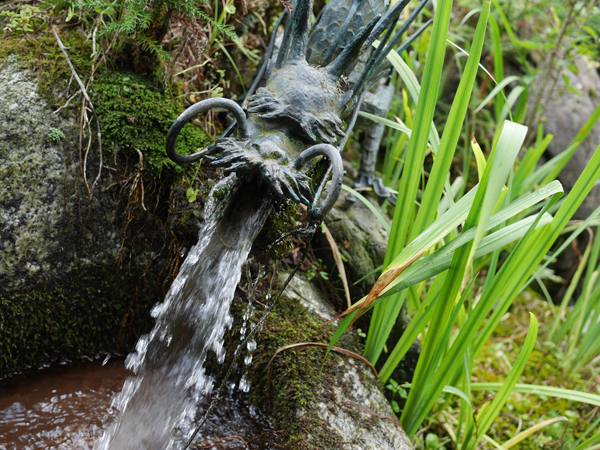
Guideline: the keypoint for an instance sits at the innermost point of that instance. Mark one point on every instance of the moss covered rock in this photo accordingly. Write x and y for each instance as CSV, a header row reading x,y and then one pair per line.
x,y
332,404
79,272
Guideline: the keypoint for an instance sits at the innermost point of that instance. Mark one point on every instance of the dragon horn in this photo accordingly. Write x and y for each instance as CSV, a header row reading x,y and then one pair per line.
x,y
337,68
300,29
381,52
336,44
396,39
383,63
388,21
287,37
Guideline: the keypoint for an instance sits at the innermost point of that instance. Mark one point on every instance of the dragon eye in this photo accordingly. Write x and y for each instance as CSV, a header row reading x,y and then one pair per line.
x,y
272,152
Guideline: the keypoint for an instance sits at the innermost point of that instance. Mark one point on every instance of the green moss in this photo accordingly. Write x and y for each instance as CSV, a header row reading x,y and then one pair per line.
x,y
296,377
43,57
136,114
89,313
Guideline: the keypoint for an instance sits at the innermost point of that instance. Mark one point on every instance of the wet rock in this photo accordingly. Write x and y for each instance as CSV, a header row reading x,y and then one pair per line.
x,y
362,240
63,293
341,407
40,205
357,412
356,409
301,289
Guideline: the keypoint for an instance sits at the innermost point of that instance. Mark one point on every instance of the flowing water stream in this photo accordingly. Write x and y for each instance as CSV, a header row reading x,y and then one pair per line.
x,y
159,404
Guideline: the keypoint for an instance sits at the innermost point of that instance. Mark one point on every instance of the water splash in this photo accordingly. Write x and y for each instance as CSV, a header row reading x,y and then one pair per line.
x,y
158,405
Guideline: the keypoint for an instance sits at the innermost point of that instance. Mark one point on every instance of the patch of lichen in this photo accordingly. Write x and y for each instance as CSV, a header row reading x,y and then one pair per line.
x,y
43,57
544,367
296,377
88,313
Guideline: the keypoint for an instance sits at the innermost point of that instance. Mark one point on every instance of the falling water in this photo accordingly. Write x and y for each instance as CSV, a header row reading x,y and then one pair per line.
x,y
158,405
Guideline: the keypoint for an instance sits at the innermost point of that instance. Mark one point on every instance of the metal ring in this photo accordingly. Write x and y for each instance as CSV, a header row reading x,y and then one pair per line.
x,y
194,110
317,213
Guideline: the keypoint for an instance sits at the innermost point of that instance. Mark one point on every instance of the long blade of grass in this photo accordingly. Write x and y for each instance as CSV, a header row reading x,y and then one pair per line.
x,y
580,444
531,430
417,248
528,164
414,90
513,97
451,364
498,65
384,223
520,269
504,151
440,260
390,123
501,85
548,391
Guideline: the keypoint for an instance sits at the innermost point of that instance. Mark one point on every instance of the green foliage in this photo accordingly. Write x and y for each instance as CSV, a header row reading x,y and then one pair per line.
x,y
55,134
192,194
143,20
26,19
136,114
397,391
431,234
318,268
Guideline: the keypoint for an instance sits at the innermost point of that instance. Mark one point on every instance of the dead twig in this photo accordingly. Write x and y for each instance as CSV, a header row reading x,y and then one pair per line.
x,y
67,104
87,98
337,257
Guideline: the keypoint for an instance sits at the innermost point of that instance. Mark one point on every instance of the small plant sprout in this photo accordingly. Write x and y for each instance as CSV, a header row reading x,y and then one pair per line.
x,y
192,194
56,134
397,391
317,268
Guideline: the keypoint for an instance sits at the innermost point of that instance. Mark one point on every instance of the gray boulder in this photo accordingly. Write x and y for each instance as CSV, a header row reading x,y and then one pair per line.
x,y
70,284
565,115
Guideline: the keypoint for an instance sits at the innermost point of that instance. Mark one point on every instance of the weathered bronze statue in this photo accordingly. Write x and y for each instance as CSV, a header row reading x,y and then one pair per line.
x,y
300,97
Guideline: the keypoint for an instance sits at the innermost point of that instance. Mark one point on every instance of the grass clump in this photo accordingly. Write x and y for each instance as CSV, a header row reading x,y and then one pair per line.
x,y
545,367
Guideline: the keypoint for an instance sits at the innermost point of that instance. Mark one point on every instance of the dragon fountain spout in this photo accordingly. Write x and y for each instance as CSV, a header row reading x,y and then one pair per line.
x,y
295,108
293,113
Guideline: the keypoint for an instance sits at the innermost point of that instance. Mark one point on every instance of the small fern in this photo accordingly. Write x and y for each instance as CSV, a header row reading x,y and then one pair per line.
x,y
136,17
